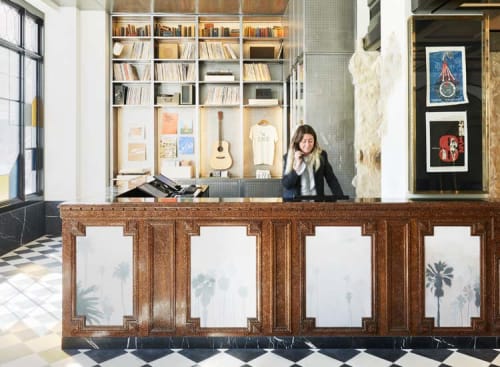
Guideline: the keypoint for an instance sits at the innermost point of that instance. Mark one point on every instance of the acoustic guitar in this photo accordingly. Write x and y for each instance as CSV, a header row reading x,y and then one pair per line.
x,y
220,158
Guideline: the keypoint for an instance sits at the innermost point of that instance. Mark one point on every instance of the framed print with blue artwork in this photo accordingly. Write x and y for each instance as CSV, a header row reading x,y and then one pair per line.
x,y
446,76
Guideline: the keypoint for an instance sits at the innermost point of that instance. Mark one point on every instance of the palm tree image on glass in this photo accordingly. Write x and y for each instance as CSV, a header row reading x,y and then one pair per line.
x,y
438,275
452,272
104,276
88,304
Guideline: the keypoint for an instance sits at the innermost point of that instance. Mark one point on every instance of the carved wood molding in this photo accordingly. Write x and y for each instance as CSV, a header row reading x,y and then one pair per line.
x,y
426,325
77,323
130,326
308,324
192,228
397,233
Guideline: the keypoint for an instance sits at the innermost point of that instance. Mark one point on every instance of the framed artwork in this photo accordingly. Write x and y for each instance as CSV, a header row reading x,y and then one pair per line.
x,y
186,145
186,126
168,122
168,147
446,76
137,152
446,141
136,132
448,130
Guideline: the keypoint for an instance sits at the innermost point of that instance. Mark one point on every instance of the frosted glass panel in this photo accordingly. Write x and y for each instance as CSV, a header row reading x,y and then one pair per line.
x,y
338,276
223,276
104,275
452,273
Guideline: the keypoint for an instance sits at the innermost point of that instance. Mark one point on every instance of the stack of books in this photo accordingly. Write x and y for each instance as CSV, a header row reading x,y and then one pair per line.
x,y
263,101
219,76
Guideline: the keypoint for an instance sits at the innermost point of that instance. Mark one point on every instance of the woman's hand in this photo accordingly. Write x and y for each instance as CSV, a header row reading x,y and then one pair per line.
x,y
297,159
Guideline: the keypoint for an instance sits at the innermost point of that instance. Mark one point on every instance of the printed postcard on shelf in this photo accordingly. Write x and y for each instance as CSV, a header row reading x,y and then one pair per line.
x,y
186,145
168,147
136,152
446,76
168,122
186,126
446,141
136,132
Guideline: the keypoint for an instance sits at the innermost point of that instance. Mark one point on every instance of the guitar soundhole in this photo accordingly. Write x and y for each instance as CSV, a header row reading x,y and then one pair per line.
x,y
220,149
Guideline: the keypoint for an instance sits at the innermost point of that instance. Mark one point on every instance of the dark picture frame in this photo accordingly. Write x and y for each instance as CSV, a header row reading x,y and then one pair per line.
x,y
434,127
446,142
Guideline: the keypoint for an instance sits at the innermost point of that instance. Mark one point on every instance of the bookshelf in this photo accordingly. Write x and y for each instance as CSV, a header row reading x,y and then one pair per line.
x,y
173,76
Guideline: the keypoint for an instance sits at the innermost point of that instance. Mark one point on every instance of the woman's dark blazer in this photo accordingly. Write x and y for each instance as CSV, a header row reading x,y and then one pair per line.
x,y
291,181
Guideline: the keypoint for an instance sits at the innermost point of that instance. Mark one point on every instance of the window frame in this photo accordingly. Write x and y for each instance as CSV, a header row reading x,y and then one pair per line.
x,y
38,57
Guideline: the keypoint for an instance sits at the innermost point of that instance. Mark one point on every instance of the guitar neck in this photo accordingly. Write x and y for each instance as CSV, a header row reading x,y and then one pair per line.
x,y
220,116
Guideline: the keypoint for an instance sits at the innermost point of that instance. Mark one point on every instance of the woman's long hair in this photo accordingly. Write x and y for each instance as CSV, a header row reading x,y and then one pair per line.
x,y
294,146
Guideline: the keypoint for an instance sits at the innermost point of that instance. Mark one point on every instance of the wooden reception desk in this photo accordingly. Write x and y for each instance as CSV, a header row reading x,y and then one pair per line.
x,y
262,267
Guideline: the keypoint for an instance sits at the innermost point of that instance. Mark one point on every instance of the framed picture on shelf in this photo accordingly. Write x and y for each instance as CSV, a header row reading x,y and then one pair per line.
x,y
446,141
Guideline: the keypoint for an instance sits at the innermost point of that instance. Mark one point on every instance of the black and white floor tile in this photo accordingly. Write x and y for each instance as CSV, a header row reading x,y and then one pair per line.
x,y
30,332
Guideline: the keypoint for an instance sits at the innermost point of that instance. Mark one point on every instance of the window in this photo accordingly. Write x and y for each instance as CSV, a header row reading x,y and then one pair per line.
x,y
20,104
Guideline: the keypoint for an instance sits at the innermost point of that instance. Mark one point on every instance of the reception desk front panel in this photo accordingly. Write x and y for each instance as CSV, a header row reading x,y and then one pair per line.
x,y
246,267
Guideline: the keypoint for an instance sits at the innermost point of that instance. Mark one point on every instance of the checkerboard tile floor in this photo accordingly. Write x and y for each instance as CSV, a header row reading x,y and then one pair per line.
x,y
30,331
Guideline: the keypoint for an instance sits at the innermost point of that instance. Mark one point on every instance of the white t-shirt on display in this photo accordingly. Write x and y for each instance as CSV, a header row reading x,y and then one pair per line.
x,y
263,137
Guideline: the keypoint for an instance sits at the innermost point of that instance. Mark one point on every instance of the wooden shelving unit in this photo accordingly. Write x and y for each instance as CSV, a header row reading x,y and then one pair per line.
x,y
173,74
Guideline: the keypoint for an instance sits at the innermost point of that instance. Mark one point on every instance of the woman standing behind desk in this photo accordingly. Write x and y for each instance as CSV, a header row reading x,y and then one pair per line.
x,y
306,167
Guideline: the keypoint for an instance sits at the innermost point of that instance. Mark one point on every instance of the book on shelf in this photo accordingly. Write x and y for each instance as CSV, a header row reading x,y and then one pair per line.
x,y
175,71
223,96
262,52
263,101
229,50
275,31
279,54
131,30
168,51
137,95
188,50
215,50
219,76
140,50
256,72
210,30
180,30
